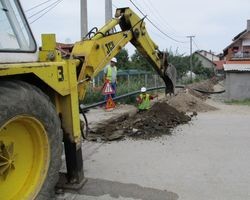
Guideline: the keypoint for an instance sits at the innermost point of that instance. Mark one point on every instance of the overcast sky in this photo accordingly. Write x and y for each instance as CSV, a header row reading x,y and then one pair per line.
x,y
213,23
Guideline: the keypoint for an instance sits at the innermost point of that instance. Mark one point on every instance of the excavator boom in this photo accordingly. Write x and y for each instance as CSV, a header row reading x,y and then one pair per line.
x,y
96,51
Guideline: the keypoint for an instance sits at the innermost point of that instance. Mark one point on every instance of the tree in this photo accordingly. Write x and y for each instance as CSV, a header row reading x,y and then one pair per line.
x,y
180,62
123,59
138,61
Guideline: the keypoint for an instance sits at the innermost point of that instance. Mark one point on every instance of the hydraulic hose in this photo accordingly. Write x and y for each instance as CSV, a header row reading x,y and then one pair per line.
x,y
83,111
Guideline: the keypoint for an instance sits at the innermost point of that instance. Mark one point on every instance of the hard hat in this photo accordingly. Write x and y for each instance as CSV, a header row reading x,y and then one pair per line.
x,y
143,89
114,60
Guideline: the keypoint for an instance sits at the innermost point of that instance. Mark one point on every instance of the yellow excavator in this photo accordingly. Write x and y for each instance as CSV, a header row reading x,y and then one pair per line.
x,y
40,92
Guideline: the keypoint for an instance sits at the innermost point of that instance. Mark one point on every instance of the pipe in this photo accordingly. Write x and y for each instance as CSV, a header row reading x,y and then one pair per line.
x,y
83,107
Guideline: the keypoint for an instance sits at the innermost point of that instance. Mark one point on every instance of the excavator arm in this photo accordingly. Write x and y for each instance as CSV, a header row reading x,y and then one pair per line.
x,y
96,51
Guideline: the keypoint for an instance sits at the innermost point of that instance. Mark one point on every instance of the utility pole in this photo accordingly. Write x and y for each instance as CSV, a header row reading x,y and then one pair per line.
x,y
84,18
191,63
108,10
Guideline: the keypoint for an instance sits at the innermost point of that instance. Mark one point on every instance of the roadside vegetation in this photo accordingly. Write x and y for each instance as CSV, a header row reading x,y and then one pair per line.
x,y
245,102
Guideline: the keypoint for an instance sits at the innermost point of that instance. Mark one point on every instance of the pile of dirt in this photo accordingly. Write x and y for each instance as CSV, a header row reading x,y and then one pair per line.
x,y
160,119
186,102
196,94
207,85
157,121
190,100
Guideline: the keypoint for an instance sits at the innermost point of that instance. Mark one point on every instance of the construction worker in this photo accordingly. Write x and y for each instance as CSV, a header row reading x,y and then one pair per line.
x,y
110,74
144,99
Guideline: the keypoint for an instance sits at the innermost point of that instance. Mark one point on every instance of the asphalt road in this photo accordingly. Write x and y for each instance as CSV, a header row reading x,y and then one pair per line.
x,y
207,159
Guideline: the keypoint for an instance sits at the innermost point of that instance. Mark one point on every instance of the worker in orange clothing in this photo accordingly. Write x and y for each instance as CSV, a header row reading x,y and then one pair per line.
x,y
144,99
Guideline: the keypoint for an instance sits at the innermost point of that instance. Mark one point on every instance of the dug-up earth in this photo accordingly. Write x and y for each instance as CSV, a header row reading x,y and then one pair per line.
x,y
165,114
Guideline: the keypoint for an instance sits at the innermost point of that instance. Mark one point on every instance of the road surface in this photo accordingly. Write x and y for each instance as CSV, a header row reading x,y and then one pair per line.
x,y
206,159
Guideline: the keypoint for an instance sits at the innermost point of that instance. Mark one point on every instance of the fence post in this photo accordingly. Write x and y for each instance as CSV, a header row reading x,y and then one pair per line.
x,y
146,80
128,82
155,79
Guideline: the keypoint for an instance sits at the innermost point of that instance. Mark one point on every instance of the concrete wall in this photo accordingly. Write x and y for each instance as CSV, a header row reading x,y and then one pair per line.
x,y
237,85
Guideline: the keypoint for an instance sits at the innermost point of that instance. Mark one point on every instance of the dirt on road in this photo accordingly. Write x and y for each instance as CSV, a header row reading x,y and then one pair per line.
x,y
185,101
160,119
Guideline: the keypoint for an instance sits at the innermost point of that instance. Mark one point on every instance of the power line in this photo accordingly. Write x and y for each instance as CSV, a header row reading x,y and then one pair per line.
x,y
51,5
196,44
157,13
59,1
154,14
155,25
37,5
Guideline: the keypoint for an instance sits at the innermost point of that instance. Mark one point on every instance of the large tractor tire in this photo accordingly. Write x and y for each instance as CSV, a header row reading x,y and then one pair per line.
x,y
30,143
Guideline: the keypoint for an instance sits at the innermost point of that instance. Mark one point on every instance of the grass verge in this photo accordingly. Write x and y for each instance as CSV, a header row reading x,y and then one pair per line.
x,y
245,102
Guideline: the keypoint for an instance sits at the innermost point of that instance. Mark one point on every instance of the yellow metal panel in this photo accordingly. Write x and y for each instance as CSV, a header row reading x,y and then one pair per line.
x,y
48,42
143,42
60,76
68,106
101,33
54,74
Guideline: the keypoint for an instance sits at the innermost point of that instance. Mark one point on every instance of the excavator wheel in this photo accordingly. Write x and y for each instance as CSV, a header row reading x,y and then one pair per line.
x,y
30,143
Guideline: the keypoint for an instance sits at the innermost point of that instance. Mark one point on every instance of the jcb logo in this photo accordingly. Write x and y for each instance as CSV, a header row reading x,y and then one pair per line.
x,y
110,46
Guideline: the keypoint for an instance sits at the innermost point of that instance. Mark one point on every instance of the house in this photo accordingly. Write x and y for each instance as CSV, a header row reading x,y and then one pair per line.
x,y
237,66
239,49
209,60
209,55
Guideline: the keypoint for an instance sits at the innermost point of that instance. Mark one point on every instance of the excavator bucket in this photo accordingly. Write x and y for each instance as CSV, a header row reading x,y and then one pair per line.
x,y
168,73
171,74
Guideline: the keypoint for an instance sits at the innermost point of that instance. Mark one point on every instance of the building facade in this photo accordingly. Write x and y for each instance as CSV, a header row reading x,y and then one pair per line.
x,y
237,66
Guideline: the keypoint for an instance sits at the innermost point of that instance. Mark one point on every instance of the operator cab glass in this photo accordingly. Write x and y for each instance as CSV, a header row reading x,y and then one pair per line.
x,y
15,34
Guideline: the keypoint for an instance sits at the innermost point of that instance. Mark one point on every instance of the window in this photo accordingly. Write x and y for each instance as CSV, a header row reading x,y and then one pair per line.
x,y
15,34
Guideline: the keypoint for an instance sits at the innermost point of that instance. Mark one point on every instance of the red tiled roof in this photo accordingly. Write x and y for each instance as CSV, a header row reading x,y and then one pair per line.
x,y
236,65
219,64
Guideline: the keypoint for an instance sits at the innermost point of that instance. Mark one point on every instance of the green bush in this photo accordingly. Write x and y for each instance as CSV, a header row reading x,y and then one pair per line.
x,y
245,102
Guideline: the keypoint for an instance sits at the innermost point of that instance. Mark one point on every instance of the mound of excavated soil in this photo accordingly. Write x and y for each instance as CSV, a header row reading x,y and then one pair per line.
x,y
186,102
207,85
159,120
